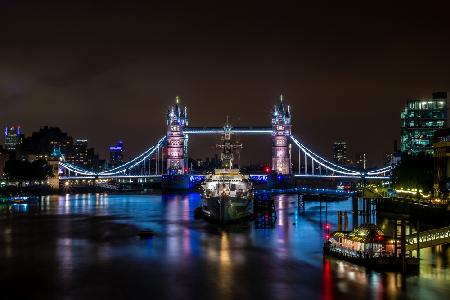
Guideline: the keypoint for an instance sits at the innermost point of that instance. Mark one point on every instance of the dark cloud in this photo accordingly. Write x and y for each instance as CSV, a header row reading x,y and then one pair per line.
x,y
107,71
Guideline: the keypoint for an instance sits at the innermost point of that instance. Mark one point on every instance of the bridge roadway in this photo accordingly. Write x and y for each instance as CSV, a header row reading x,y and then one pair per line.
x,y
428,238
219,130
257,177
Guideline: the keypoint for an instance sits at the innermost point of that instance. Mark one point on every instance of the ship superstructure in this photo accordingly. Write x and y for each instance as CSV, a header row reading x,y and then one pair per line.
x,y
227,194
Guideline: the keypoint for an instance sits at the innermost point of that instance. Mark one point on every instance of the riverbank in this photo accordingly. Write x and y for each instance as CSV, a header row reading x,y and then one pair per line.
x,y
424,211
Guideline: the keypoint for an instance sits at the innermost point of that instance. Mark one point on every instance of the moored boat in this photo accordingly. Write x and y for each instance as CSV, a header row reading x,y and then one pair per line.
x,y
20,200
227,194
368,246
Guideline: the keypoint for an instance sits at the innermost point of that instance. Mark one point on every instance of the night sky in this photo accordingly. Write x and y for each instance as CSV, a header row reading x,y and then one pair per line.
x,y
106,72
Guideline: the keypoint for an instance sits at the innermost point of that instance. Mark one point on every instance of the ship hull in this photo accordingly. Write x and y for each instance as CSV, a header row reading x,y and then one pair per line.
x,y
225,210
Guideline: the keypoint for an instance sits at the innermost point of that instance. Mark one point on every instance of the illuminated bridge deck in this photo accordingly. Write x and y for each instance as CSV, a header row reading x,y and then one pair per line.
x,y
219,130
428,238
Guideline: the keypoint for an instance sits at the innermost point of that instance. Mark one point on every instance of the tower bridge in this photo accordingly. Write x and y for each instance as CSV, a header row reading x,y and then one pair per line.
x,y
286,149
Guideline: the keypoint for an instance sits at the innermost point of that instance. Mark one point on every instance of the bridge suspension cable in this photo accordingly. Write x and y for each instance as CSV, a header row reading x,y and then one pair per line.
x,y
119,170
322,161
317,162
334,167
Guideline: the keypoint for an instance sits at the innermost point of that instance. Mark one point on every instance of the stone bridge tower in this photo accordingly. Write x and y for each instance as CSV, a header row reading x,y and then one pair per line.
x,y
281,130
176,121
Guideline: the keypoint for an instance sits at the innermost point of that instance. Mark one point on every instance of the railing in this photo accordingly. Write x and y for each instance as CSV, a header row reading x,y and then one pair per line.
x,y
428,238
314,165
219,130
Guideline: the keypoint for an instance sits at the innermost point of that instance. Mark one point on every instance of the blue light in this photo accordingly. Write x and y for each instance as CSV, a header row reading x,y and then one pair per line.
x,y
340,171
197,178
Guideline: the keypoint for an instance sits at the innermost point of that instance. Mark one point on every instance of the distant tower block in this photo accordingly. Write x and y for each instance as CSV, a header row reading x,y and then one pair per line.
x,y
176,121
281,130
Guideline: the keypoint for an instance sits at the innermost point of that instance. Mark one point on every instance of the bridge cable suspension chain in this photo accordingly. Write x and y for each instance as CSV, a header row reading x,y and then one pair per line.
x,y
323,162
119,169
135,161
334,167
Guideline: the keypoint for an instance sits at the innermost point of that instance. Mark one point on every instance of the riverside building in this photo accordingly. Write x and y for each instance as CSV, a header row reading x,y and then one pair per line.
x,y
420,119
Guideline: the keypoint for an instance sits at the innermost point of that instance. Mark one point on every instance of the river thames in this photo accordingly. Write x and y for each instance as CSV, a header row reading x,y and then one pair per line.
x,y
86,247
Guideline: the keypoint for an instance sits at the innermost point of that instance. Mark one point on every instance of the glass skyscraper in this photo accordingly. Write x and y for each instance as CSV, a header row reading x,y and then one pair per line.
x,y
419,121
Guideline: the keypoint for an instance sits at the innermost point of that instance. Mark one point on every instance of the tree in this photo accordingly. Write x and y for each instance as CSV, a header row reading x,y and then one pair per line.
x,y
40,170
414,171
21,171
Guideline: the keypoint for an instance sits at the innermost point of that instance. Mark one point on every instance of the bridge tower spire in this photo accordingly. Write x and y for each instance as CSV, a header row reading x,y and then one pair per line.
x,y
281,130
176,121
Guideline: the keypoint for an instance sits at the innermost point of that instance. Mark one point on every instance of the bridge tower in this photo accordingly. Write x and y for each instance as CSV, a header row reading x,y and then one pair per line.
x,y
281,130
176,121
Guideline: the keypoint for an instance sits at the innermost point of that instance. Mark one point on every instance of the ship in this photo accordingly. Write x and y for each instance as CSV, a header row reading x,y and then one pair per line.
x,y
367,245
227,194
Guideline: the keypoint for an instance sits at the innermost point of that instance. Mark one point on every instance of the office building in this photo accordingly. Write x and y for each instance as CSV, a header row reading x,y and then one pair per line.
x,y
361,161
340,151
81,155
4,157
388,159
441,148
420,119
116,154
12,137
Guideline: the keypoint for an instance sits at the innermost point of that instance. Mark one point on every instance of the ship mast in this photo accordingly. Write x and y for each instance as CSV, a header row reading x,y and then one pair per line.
x,y
227,147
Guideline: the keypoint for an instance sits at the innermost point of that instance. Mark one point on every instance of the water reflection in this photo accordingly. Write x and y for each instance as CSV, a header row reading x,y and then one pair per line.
x,y
76,234
225,277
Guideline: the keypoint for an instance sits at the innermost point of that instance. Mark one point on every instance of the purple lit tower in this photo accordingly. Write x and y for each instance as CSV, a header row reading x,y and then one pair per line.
x,y
176,121
281,130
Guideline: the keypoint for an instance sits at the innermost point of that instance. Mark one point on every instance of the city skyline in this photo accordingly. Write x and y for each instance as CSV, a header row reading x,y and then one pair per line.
x,y
64,67
224,149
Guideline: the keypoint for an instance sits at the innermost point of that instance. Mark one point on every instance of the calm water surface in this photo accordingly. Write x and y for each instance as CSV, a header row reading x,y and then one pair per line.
x,y
86,247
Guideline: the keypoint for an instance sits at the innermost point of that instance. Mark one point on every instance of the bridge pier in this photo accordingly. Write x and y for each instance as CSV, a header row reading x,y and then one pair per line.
x,y
400,226
342,221
355,211
300,202
264,211
418,240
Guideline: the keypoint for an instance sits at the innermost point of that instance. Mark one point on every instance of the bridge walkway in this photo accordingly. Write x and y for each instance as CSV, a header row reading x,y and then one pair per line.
x,y
428,238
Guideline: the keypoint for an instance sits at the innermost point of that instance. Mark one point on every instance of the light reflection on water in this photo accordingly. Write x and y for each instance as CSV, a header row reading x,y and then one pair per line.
x,y
240,261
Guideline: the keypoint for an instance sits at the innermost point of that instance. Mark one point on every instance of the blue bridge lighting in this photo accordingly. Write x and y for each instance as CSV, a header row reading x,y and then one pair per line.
x,y
311,165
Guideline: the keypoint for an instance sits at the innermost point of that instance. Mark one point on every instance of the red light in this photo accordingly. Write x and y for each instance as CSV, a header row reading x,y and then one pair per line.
x,y
186,170
379,237
267,169
327,226
327,236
